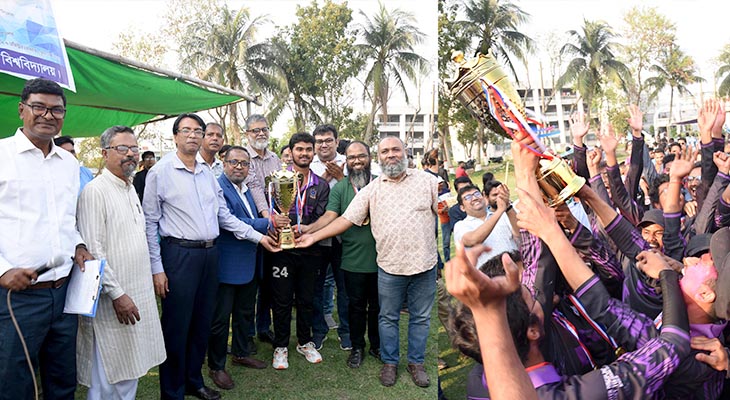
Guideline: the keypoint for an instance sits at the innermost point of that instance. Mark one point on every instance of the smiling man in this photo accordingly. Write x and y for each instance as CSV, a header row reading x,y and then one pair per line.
x,y
39,184
212,142
184,205
124,340
397,204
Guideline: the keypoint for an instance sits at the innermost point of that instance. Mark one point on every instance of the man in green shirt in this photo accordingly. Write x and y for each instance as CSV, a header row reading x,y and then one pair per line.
x,y
358,255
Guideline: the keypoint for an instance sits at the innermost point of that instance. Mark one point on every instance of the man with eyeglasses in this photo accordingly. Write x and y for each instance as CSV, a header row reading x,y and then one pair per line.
x,y
239,269
359,266
212,142
184,204
124,340
148,161
264,162
67,143
494,226
330,165
39,183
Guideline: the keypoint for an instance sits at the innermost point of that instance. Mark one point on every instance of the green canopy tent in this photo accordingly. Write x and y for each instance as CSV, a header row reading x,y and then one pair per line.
x,y
111,90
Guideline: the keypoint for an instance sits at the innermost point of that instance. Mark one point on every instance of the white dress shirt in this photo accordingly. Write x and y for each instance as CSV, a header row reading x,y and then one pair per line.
x,y
38,213
319,168
499,240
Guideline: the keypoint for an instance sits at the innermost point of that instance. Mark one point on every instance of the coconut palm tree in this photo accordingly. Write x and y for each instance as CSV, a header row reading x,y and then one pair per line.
x,y
595,63
676,70
724,88
494,23
388,40
225,51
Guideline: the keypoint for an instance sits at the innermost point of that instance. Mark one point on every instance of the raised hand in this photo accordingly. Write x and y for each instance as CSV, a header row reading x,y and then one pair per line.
x,y
722,161
565,218
578,128
719,120
608,139
524,160
593,160
535,216
635,120
474,288
682,166
706,119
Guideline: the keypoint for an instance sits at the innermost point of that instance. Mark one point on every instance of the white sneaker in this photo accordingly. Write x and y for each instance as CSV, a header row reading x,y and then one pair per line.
x,y
310,353
281,358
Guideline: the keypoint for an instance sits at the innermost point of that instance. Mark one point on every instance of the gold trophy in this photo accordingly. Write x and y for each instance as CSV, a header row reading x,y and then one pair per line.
x,y
481,85
283,185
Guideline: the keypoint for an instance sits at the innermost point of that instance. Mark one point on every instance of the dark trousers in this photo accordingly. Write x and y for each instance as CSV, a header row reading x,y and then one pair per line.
x,y
234,304
293,275
362,292
51,339
187,312
333,259
263,299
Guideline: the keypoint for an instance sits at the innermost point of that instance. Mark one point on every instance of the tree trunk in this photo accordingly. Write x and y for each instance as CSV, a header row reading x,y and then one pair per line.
x,y
235,129
671,105
480,143
371,123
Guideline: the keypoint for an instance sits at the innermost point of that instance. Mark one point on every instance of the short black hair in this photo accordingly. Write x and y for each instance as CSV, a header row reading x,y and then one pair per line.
x,y
224,149
674,144
460,194
147,154
301,137
286,146
61,140
342,146
486,178
490,186
324,128
654,187
42,86
234,148
180,117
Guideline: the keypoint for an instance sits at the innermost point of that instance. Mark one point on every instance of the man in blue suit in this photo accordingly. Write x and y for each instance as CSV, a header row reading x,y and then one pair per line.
x,y
239,269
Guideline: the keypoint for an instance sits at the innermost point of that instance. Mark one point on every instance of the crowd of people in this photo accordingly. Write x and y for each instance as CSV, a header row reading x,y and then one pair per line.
x,y
199,229
621,292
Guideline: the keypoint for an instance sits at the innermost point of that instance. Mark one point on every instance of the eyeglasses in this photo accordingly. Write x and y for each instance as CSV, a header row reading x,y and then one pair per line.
x,y
122,149
41,111
694,178
360,157
471,196
188,131
322,141
259,130
238,163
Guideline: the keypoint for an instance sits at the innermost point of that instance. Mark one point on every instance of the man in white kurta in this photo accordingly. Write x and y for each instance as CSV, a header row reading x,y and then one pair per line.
x,y
124,340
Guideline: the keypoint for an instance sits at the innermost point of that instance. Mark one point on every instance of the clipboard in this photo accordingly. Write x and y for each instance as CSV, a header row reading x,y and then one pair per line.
x,y
84,288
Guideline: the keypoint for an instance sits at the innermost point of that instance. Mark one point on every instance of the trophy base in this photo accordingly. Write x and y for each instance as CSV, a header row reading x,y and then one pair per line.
x,y
286,239
557,181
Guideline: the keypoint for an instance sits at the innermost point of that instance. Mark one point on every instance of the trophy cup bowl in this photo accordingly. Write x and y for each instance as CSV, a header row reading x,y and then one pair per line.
x,y
284,193
556,179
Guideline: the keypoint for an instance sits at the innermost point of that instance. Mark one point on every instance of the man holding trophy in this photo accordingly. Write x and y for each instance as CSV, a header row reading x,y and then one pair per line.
x,y
300,193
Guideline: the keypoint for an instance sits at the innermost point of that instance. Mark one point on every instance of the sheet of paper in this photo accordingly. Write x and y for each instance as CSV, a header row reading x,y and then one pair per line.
x,y
84,287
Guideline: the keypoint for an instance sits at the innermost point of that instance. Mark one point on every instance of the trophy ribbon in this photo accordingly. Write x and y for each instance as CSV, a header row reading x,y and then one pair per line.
x,y
302,199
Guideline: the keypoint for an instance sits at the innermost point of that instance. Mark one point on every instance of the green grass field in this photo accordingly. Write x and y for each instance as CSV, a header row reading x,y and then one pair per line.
x,y
331,379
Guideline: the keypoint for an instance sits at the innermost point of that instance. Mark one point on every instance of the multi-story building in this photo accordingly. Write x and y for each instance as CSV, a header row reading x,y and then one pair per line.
x,y
416,130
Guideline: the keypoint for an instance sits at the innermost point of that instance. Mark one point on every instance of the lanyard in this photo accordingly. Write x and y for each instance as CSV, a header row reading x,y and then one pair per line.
x,y
302,199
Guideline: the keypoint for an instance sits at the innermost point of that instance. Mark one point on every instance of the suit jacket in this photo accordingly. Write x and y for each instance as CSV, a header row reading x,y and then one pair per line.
x,y
239,259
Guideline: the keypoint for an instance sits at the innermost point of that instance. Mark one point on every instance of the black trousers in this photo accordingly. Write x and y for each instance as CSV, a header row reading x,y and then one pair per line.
x,y
293,274
363,308
234,304
187,312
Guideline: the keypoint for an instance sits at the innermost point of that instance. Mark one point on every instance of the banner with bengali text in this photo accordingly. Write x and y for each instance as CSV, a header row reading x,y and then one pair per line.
x,y
30,45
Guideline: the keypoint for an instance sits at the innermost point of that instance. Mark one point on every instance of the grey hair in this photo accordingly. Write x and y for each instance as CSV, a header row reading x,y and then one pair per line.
x,y
255,118
109,133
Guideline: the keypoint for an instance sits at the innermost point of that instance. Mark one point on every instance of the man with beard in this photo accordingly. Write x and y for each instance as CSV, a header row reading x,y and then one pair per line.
x,y
494,226
359,265
124,340
294,272
39,185
401,206
238,274
212,142
263,163
184,205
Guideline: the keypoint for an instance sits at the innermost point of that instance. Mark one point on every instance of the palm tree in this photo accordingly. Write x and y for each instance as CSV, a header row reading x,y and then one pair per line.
x,y
225,51
724,89
388,39
595,63
676,70
495,23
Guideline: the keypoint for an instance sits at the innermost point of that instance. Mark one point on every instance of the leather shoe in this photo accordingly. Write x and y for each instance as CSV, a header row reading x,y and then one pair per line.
x,y
205,393
355,359
222,379
248,362
388,374
419,375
